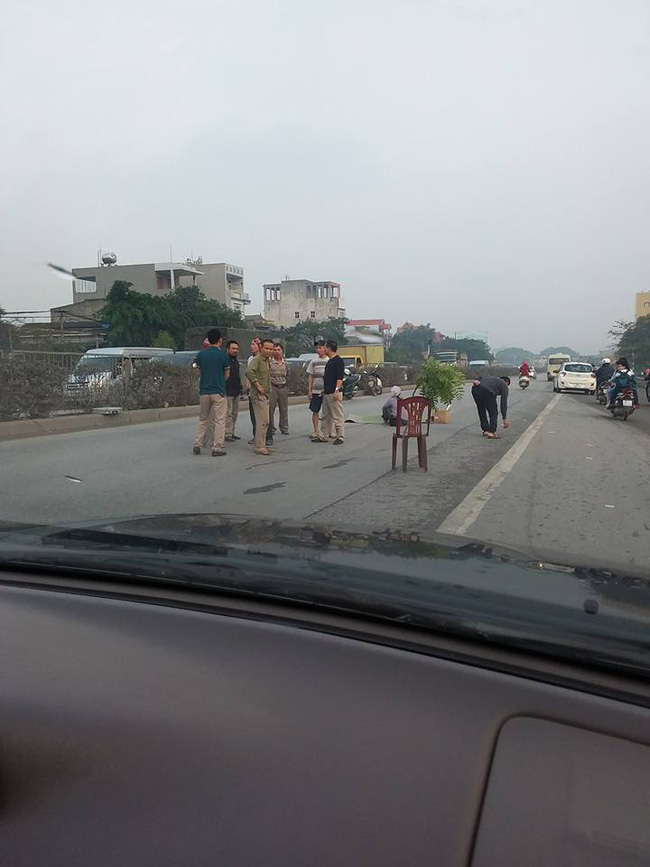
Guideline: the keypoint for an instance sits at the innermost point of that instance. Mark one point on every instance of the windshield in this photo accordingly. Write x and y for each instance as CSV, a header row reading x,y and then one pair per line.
x,y
361,219
97,364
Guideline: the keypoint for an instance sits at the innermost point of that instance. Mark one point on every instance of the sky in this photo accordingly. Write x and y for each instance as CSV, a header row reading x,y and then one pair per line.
x,y
479,166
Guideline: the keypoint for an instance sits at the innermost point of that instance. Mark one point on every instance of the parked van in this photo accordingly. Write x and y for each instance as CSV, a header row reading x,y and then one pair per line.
x,y
99,368
554,363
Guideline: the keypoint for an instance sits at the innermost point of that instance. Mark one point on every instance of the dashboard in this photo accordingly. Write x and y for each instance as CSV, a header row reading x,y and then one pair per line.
x,y
142,727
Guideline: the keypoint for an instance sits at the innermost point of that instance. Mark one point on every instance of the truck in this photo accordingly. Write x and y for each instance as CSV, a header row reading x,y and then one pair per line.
x,y
360,355
452,356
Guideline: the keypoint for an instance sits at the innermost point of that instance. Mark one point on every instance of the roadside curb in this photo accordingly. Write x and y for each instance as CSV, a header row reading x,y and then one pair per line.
x,y
38,427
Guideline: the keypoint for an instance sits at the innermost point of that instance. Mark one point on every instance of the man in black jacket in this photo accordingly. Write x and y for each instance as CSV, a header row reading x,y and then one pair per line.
x,y
233,390
605,372
484,391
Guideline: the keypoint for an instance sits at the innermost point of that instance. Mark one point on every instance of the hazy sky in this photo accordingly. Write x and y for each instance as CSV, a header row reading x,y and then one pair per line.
x,y
477,165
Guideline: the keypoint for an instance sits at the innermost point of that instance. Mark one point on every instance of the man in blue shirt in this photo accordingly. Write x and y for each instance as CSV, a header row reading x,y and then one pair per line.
x,y
213,404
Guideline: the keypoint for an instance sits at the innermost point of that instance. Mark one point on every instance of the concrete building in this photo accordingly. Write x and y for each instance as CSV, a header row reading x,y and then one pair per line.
x,y
293,301
642,304
219,281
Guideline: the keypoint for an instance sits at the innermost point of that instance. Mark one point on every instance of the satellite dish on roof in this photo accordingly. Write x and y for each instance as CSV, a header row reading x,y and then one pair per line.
x,y
109,258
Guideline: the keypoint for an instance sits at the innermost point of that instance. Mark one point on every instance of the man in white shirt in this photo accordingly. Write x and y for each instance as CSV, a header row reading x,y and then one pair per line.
x,y
315,373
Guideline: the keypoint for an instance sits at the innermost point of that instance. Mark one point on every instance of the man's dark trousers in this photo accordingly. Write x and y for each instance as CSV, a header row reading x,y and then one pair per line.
x,y
486,404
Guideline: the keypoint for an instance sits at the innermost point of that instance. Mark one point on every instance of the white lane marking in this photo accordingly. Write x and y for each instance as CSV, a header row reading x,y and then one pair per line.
x,y
458,522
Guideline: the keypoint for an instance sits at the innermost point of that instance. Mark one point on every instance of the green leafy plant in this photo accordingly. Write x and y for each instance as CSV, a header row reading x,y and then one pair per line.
x,y
164,339
441,384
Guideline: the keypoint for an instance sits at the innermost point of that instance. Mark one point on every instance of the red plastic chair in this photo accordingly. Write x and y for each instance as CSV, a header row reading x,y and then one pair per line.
x,y
416,426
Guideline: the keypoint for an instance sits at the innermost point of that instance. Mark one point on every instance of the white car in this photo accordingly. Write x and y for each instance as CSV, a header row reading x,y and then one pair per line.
x,y
575,376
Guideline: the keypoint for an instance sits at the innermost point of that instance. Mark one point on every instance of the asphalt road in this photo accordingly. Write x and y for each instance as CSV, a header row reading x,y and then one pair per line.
x,y
565,480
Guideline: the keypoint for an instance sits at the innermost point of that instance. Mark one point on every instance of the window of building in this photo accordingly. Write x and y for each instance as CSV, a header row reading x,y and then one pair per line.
x,y
296,315
85,285
313,314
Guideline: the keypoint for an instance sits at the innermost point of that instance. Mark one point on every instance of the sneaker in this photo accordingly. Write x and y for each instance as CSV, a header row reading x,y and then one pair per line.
x,y
338,442
218,453
284,432
196,450
251,442
318,439
313,437
235,437
230,439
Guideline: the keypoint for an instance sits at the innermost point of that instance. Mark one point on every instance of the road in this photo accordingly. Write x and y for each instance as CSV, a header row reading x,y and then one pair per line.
x,y
565,481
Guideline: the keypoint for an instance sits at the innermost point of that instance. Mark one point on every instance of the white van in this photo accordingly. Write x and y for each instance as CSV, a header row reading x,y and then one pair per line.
x,y
554,363
101,367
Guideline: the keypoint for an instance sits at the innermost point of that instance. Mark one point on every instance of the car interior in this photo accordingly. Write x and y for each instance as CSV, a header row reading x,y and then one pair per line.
x,y
177,726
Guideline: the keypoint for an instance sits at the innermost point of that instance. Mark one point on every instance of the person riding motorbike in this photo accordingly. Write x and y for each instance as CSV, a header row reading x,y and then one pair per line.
x,y
524,370
605,372
603,375
623,378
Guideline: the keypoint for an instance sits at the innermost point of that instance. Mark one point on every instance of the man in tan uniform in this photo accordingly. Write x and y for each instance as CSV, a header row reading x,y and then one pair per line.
x,y
279,397
259,376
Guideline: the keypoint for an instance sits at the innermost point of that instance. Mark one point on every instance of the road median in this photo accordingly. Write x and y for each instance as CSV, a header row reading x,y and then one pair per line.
x,y
37,427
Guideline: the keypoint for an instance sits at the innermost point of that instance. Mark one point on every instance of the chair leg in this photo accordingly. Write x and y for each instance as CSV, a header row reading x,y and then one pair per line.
x,y
422,454
394,452
405,452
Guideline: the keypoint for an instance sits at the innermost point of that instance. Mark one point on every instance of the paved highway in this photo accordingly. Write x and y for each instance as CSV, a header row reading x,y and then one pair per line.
x,y
564,481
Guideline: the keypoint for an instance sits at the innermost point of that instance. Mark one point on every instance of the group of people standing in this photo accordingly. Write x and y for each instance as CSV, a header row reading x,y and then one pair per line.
x,y
265,379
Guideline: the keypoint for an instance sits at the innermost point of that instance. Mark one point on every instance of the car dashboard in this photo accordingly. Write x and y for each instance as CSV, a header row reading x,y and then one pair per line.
x,y
180,727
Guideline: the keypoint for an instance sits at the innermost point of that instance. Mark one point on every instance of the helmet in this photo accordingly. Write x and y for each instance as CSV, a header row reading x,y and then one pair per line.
x,y
606,361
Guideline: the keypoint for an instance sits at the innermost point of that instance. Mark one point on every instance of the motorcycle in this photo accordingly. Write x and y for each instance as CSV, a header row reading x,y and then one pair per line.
x,y
351,384
372,384
647,385
601,393
623,404
524,381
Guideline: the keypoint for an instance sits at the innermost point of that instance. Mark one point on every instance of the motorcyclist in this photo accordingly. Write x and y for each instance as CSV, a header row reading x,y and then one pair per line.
x,y
623,378
604,372
524,370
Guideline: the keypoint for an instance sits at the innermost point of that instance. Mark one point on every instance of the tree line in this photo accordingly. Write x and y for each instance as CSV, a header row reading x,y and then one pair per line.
x,y
415,342
138,319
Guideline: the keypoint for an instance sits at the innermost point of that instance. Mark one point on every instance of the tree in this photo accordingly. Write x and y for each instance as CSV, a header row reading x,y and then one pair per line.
x,y
300,337
562,350
633,341
513,356
191,309
164,340
477,350
136,318
412,343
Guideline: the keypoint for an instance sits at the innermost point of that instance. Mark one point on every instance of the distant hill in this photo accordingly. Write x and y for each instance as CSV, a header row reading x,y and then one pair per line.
x,y
514,355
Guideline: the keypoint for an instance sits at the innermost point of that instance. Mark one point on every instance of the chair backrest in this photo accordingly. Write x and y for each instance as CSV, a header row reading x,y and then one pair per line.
x,y
415,409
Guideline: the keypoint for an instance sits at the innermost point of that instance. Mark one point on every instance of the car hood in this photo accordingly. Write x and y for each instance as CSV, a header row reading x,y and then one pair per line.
x,y
465,588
